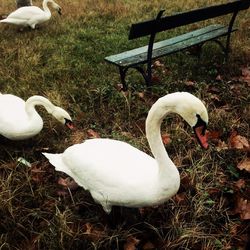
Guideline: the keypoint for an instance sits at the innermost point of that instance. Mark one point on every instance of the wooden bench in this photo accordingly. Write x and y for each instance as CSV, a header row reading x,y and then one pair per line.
x,y
136,58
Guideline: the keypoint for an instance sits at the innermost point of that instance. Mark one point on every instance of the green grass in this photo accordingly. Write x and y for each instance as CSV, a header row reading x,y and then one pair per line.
x,y
64,60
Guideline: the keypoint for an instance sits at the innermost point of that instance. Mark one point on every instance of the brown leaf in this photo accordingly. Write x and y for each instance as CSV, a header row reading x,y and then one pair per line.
x,y
158,64
166,138
218,78
67,183
180,198
242,208
77,137
245,164
238,142
221,145
190,83
246,75
148,246
131,243
94,233
241,183
213,135
92,134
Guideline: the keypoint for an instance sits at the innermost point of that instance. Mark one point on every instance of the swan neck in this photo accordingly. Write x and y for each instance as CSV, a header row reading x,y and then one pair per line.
x,y
45,6
38,100
153,132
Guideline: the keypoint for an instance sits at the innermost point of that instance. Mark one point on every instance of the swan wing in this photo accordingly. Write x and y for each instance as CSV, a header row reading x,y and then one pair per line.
x,y
14,121
26,13
99,164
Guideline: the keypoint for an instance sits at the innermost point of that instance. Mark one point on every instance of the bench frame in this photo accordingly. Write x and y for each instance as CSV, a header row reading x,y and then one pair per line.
x,y
152,27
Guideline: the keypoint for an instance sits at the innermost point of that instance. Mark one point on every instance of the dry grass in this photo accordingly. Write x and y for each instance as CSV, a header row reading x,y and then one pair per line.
x,y
63,60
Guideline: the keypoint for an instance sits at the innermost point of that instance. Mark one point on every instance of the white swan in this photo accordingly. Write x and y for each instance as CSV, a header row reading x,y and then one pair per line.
x,y
116,173
19,119
31,15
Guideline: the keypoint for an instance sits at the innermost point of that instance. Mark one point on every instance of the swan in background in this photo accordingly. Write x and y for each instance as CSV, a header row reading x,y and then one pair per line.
x,y
31,15
19,119
116,173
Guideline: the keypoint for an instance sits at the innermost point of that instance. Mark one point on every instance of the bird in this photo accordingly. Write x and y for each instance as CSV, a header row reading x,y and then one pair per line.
x,y
31,15
19,120
118,174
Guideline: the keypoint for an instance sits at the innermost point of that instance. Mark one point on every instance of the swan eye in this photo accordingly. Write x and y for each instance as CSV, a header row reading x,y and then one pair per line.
x,y
200,132
69,123
201,123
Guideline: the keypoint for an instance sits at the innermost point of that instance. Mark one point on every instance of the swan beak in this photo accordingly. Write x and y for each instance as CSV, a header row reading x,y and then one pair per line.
x,y
69,124
59,11
201,136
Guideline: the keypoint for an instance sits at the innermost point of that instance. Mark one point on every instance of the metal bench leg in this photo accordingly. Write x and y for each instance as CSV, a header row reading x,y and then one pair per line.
x,y
123,72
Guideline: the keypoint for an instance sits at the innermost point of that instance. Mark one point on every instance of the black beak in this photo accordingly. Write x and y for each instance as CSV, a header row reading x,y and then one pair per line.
x,y
59,11
200,132
69,123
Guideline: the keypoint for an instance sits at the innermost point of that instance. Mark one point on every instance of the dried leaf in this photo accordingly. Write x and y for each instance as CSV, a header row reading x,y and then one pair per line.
x,y
218,78
180,198
77,137
92,134
94,233
190,83
131,243
221,145
246,75
213,135
242,208
241,183
165,138
245,164
148,246
67,183
238,142
158,64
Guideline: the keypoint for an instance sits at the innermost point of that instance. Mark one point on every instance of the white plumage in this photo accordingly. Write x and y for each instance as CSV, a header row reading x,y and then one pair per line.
x,y
31,15
19,119
116,173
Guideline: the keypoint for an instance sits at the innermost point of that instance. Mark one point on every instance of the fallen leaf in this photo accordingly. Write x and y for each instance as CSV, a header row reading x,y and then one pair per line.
x,y
77,137
246,75
213,135
215,98
218,78
165,138
158,64
94,233
67,183
148,246
190,83
221,145
131,243
180,198
119,87
238,142
242,208
245,164
92,134
241,183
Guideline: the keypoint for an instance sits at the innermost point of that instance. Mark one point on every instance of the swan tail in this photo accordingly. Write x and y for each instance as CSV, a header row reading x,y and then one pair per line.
x,y
57,162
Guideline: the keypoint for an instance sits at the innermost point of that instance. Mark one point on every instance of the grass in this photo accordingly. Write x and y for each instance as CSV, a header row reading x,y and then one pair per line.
x,y
64,60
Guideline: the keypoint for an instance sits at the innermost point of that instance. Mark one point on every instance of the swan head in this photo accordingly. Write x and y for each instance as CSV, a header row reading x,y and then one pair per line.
x,y
62,116
56,7
195,114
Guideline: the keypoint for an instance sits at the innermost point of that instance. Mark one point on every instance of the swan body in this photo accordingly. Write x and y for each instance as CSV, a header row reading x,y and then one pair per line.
x,y
116,173
19,119
31,15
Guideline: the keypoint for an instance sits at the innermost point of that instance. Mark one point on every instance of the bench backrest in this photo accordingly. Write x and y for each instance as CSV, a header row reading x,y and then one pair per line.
x,y
161,24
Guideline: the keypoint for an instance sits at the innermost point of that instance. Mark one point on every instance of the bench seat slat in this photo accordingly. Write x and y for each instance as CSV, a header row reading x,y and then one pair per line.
x,y
172,45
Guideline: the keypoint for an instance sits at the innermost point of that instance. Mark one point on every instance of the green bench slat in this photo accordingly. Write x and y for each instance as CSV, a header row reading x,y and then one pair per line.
x,y
139,55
